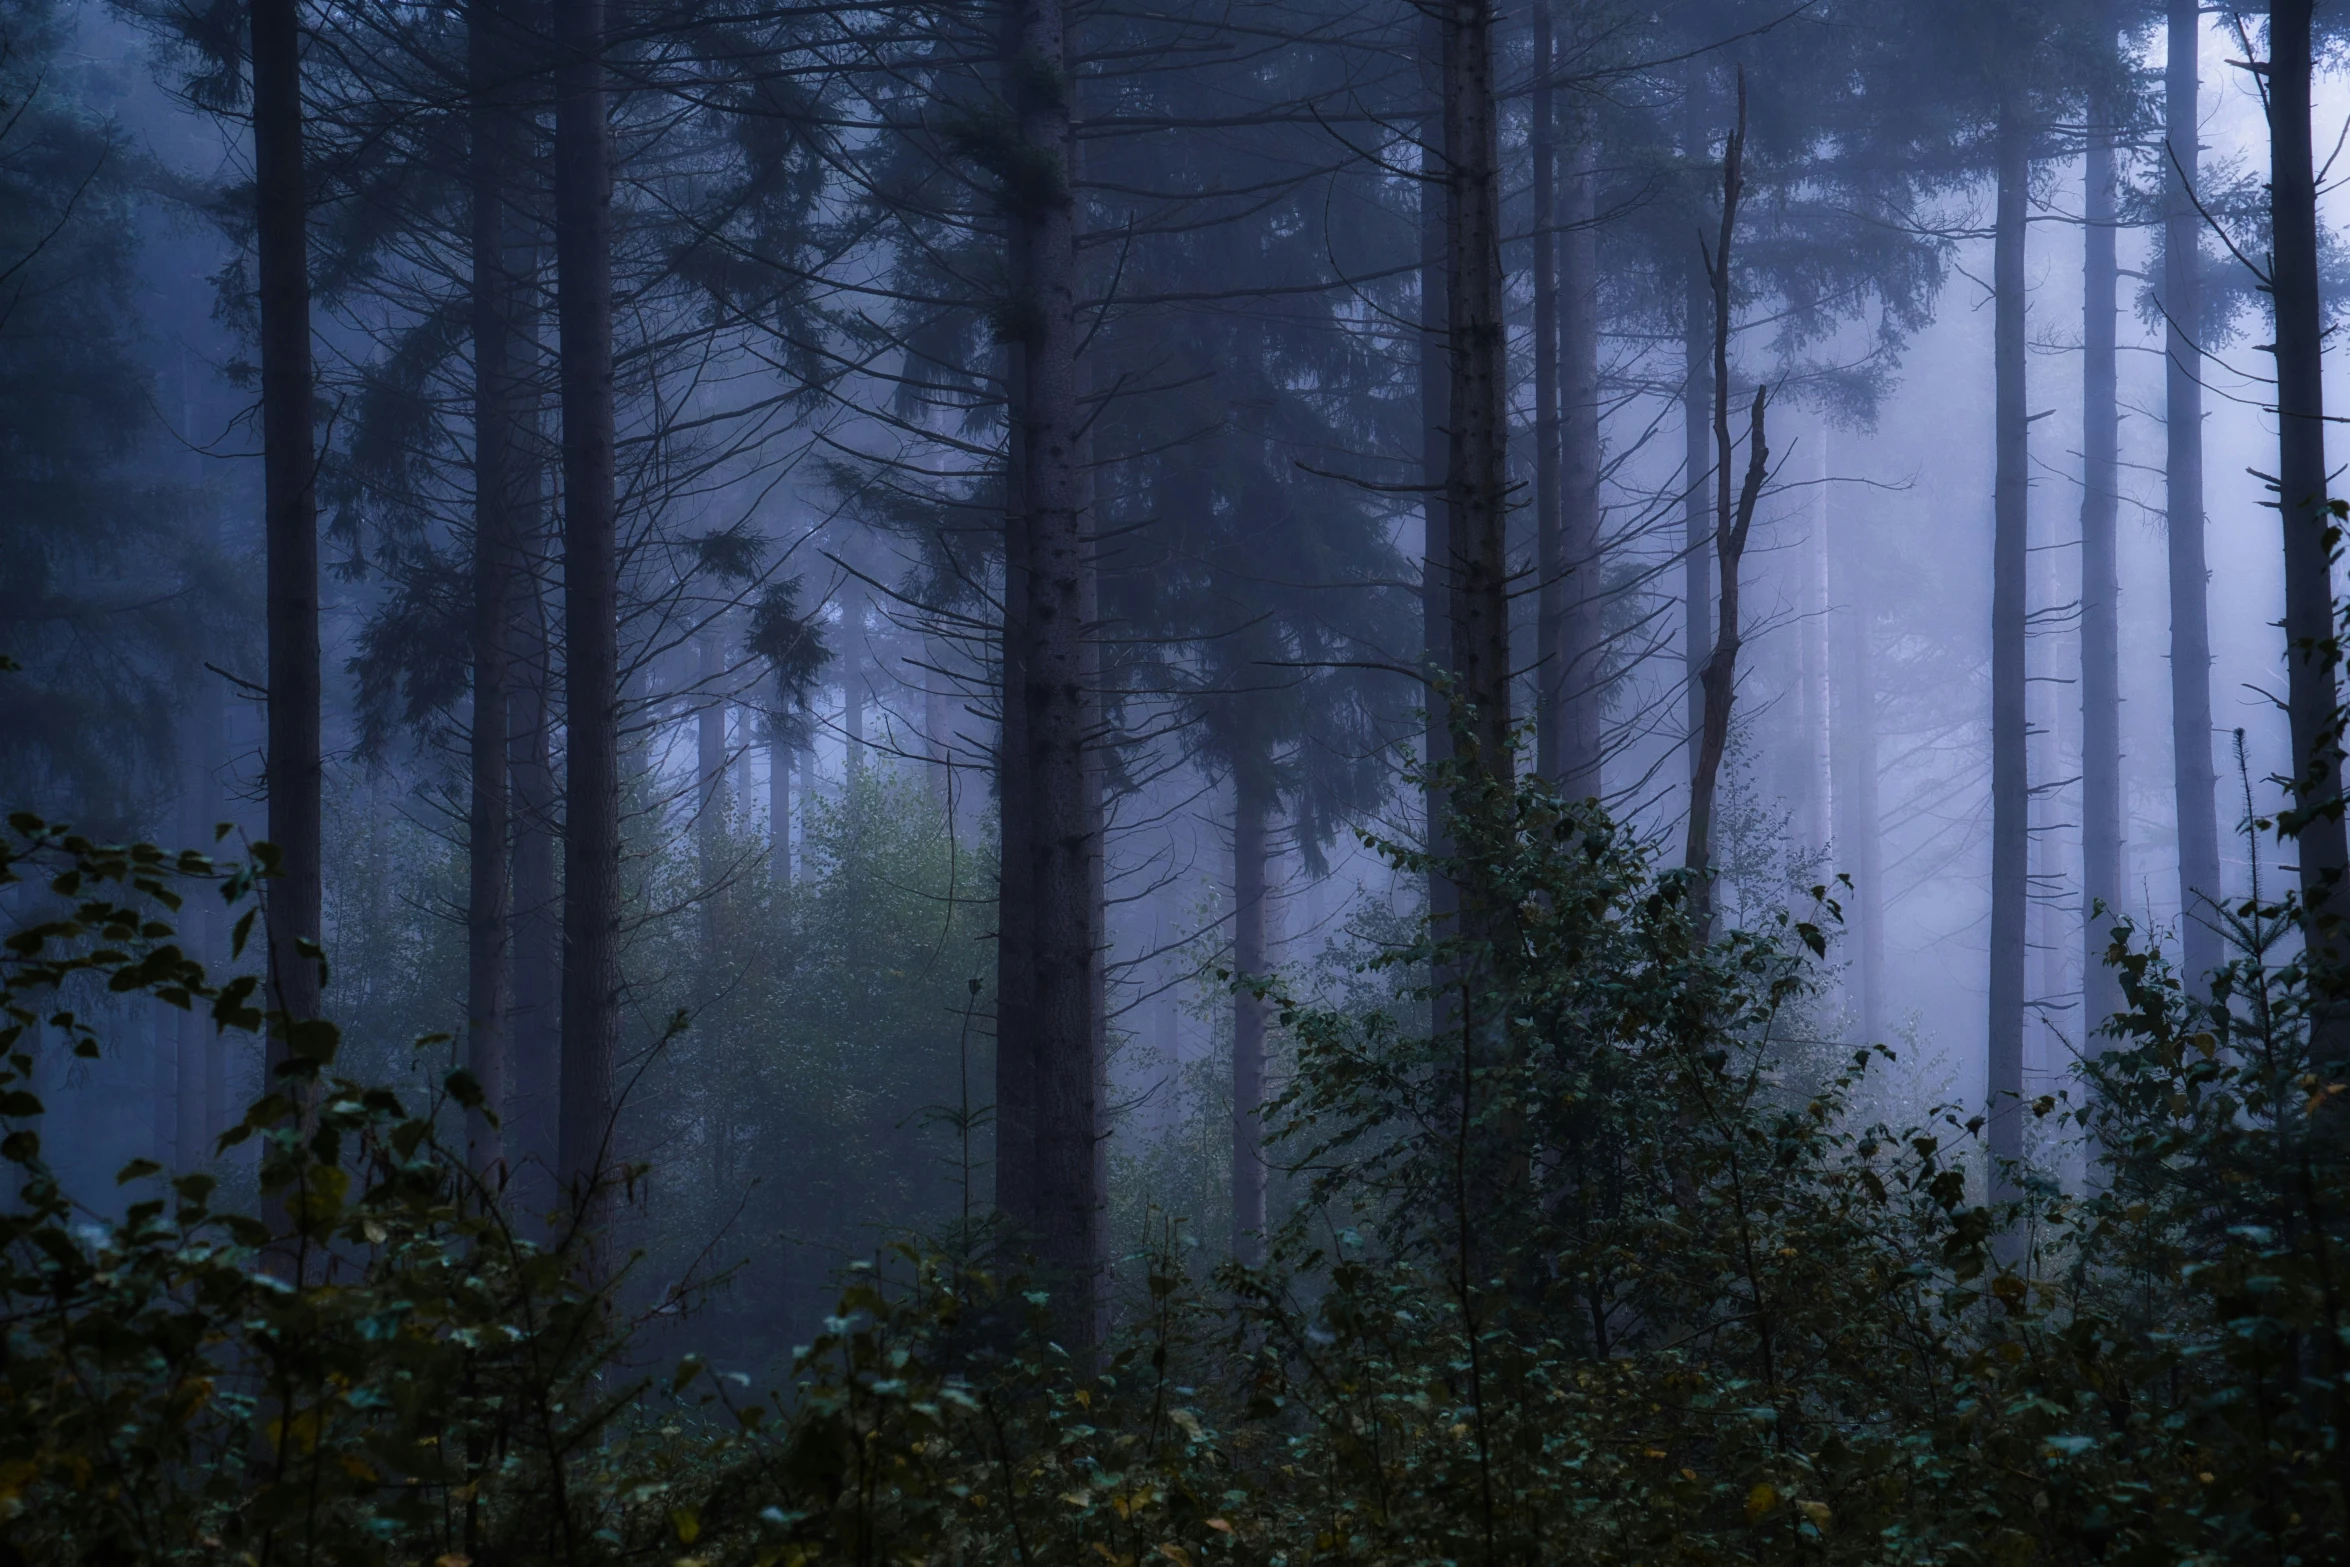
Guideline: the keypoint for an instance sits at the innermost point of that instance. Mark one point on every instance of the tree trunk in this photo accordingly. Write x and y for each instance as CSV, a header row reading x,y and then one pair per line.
x,y
778,804
1733,517
1060,840
534,1021
710,755
1859,847
1550,667
1435,451
1816,740
214,714
854,688
1252,810
2312,699
2190,628
1015,1057
591,608
289,482
1476,481
2101,738
1097,868
497,357
199,810
2010,781
1697,398
1582,652
938,727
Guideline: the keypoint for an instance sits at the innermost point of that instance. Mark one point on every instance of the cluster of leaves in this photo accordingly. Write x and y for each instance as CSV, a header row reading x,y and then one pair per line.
x,y
348,1380
1590,1266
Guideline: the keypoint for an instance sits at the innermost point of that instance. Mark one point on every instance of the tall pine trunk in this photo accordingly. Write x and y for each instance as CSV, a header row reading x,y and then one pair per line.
x,y
1582,652
1476,481
1435,449
290,500
2193,779
2312,697
1252,813
199,810
535,1014
855,687
1815,769
497,358
778,802
591,609
1550,668
1853,718
1052,691
2101,738
1697,398
709,755
2010,782
1015,1053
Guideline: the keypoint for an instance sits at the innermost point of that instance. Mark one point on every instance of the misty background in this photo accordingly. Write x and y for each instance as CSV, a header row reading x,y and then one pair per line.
x,y
809,708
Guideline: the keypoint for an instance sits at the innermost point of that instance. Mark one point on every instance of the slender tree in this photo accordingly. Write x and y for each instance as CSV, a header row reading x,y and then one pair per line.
x,y
1062,1200
499,359
2101,741
1853,720
1476,480
591,609
2011,479
1580,650
534,1025
1435,389
199,810
1733,519
1254,797
1698,394
1551,589
1015,989
2312,695
2181,299
296,769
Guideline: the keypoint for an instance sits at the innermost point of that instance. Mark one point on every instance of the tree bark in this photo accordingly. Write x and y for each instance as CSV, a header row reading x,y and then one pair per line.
x,y
2193,779
497,357
1550,667
296,769
938,728
1252,810
1582,652
2101,738
710,754
1435,452
534,1019
591,593
1815,770
199,810
854,688
778,804
1697,398
1853,703
2010,780
1476,481
1015,1058
1733,518
1052,691
2312,697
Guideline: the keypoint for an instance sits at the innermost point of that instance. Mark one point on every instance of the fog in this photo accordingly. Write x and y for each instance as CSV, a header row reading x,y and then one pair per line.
x,y
810,602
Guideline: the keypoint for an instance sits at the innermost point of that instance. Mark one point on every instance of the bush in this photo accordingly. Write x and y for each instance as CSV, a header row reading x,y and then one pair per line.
x,y
1592,1268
